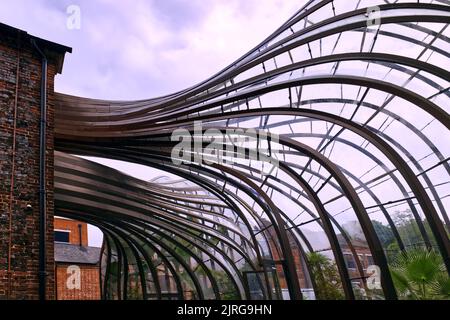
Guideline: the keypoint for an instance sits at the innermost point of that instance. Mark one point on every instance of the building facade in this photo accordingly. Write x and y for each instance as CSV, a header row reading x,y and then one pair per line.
x,y
26,175
77,270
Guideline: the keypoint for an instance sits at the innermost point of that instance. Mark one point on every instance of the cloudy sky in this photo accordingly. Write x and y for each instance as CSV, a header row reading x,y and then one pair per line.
x,y
149,48
145,48
157,47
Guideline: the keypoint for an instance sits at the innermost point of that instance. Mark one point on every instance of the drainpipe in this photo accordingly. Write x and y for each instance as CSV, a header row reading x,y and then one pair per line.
x,y
42,182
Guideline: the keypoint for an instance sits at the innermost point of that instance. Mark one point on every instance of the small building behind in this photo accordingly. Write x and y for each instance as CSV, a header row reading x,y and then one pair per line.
x,y
77,269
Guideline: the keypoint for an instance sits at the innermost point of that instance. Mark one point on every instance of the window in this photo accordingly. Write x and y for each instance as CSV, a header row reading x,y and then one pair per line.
x,y
62,236
349,261
370,261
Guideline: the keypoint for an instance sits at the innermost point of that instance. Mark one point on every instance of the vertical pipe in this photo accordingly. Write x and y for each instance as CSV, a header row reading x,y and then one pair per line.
x,y
42,182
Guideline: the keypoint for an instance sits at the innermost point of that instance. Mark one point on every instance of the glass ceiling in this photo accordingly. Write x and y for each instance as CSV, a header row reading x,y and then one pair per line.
x,y
346,106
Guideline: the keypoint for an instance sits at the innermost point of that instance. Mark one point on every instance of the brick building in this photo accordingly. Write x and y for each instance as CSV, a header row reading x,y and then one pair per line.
x,y
360,247
277,266
364,255
26,174
77,270
70,231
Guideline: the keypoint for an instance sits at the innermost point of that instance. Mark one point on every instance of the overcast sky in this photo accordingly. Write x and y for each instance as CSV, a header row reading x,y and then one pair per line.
x,y
157,47
147,49
151,47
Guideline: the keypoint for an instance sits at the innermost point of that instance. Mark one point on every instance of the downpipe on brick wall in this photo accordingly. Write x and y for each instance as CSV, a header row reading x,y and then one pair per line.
x,y
42,182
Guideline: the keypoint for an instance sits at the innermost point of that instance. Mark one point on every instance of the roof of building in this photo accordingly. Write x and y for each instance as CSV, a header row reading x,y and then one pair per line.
x,y
360,243
47,45
72,253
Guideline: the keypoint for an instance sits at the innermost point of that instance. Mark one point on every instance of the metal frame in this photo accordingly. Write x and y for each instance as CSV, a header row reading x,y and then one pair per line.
x,y
218,222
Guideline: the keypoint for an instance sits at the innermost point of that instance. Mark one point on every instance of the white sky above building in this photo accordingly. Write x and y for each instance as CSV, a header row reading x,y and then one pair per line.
x,y
147,49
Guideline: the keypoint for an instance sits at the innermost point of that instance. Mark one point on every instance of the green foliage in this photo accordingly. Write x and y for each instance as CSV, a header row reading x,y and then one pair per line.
x,y
392,251
226,286
419,274
383,232
326,277
409,230
134,289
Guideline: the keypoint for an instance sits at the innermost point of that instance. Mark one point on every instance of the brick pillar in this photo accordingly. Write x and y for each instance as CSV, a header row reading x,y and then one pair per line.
x,y
19,171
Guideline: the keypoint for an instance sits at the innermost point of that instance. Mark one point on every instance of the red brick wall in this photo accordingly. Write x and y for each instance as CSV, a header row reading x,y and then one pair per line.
x,y
90,283
274,247
362,252
72,225
23,283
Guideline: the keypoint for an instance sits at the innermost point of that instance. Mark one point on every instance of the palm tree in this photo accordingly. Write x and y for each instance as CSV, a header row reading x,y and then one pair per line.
x,y
419,274
326,276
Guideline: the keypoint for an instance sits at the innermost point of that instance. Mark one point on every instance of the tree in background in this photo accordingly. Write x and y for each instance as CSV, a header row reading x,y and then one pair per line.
x,y
226,286
326,276
408,229
384,233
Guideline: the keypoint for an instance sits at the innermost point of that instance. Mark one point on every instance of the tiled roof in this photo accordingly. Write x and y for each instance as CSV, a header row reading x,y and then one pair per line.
x,y
72,253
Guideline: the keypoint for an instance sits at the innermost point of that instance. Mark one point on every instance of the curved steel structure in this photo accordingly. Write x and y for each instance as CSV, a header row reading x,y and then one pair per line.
x,y
352,99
